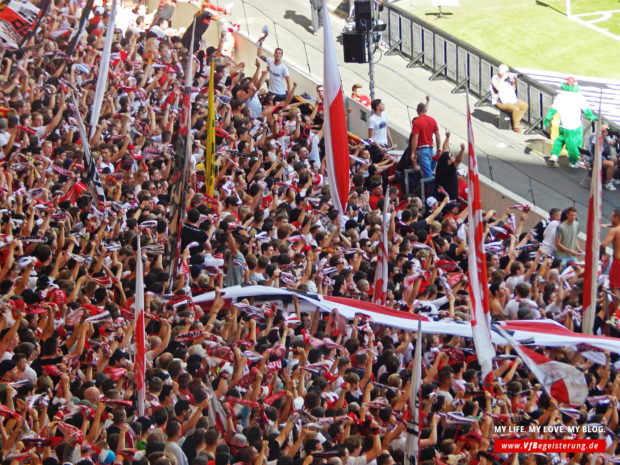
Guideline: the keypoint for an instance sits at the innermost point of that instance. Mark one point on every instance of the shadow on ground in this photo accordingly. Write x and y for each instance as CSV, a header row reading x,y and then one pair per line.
x,y
303,21
486,117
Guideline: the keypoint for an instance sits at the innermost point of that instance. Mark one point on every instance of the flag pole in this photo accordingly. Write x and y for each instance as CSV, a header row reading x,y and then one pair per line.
x,y
140,353
181,168
593,237
413,429
210,144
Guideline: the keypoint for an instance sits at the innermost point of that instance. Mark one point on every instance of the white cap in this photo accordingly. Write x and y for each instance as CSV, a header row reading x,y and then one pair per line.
x,y
503,69
431,201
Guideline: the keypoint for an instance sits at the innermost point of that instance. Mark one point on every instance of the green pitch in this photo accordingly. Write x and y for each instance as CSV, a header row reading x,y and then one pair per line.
x,y
584,6
530,34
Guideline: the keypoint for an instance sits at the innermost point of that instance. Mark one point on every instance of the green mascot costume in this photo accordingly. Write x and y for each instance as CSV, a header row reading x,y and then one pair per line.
x,y
569,103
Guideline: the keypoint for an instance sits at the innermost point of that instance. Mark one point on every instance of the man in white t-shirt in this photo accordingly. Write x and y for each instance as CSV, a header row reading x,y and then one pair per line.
x,y
378,129
279,77
504,95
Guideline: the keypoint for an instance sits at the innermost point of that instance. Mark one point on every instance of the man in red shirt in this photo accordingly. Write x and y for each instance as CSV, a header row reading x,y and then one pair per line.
x,y
376,193
423,129
358,96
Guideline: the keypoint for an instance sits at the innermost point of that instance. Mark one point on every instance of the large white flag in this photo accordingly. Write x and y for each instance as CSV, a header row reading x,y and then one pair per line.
x,y
593,238
477,266
104,66
413,425
140,356
335,125
381,271
564,382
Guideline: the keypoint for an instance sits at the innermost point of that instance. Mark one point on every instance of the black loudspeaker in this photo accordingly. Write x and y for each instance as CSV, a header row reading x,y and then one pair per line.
x,y
363,15
354,47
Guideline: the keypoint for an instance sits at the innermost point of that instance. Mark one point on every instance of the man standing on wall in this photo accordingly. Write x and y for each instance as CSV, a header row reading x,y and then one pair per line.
x,y
317,15
279,77
424,127
378,129
358,96
566,237
504,95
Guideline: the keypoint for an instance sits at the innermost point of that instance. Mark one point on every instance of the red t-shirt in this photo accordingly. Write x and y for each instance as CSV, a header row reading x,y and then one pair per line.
x,y
364,100
425,126
463,186
374,200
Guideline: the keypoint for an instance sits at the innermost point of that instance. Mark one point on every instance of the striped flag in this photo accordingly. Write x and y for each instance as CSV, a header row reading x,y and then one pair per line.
x,y
478,290
104,66
413,424
381,273
181,170
210,145
94,183
336,139
140,355
43,7
593,237
564,382
80,29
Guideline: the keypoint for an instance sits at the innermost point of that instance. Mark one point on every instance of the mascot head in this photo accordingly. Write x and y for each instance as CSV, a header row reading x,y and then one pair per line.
x,y
570,85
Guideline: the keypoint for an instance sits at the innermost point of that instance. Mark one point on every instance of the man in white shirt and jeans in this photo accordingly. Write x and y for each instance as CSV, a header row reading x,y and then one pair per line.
x,y
378,129
279,77
504,95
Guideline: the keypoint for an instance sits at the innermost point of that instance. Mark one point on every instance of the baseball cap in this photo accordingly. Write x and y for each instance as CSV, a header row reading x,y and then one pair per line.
x,y
431,201
238,441
503,69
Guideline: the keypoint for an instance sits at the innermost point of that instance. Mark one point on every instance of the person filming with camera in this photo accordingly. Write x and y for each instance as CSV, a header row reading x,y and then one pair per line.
x,y
504,95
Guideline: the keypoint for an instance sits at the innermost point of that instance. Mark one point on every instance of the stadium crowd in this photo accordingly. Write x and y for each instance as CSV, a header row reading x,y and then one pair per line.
x,y
233,384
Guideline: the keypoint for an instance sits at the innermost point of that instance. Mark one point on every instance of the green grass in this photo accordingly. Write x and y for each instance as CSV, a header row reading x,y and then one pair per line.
x,y
525,34
612,24
584,6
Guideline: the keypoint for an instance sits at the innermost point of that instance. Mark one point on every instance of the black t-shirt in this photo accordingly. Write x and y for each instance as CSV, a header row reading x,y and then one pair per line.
x,y
191,233
202,24
446,177
420,225
38,364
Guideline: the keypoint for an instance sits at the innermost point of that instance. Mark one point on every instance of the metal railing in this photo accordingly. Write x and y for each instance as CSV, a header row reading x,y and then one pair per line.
x,y
448,57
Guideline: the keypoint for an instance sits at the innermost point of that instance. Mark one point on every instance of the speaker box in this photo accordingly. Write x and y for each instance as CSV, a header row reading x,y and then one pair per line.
x,y
354,47
363,15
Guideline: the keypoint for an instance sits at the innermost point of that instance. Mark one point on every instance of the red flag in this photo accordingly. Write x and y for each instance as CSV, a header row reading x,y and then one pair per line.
x,y
593,239
477,263
336,139
140,360
381,273
74,192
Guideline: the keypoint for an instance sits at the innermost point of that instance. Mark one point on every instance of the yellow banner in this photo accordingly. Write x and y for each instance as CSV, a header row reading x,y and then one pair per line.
x,y
210,145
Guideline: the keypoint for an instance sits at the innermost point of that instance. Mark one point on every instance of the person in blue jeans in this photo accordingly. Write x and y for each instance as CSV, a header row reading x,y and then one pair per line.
x,y
423,129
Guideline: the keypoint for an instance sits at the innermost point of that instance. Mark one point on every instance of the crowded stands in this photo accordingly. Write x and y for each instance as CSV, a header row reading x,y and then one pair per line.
x,y
246,382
